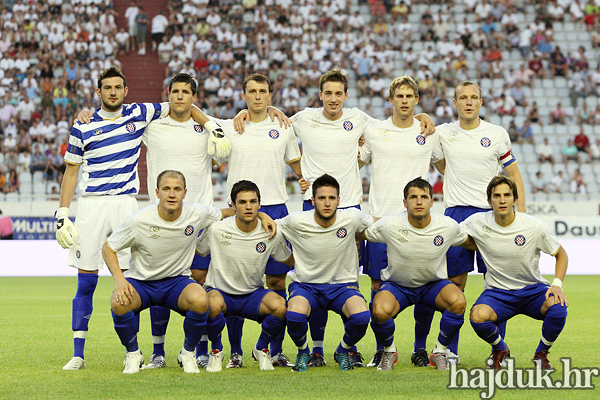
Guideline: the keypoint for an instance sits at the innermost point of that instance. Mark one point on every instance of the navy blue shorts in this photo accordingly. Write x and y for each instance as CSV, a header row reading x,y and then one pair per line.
x,y
276,211
377,260
325,296
424,295
508,303
163,292
460,260
245,305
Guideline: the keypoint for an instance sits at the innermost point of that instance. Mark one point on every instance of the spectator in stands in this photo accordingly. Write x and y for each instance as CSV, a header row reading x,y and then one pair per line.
x,y
539,183
545,152
38,160
591,14
533,114
377,86
141,21
3,184
131,13
595,148
526,133
555,184
23,140
13,181
558,63
569,152
582,142
537,66
577,183
558,115
507,105
584,116
159,26
6,228
24,161
513,131
10,143
165,50
518,94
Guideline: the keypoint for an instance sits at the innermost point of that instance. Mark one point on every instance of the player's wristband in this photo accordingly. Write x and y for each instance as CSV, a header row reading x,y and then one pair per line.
x,y
557,282
62,212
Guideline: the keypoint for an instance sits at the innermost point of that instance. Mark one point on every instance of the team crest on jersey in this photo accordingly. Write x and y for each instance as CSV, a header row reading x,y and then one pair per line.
x,y
438,240
341,233
130,127
189,230
421,140
78,254
485,142
273,134
98,131
261,247
348,125
519,240
198,128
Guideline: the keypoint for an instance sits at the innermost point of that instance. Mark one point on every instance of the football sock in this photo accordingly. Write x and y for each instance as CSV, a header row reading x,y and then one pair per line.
x,y
271,328
297,326
355,329
214,328
554,322
488,331
276,344
384,331
378,344
159,318
126,328
449,327
194,326
202,348
423,317
317,322
235,326
82,310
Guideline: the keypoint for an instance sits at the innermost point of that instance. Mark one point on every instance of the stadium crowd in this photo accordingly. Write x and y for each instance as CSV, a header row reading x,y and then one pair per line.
x,y
52,53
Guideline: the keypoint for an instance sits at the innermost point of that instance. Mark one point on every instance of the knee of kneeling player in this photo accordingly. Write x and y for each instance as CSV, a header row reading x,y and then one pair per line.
x,y
381,311
458,304
478,315
556,311
360,319
280,309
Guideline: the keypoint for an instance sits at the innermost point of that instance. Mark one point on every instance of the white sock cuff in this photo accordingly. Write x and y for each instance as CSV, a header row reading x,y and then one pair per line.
x,y
344,345
390,349
79,334
317,343
495,342
546,342
158,339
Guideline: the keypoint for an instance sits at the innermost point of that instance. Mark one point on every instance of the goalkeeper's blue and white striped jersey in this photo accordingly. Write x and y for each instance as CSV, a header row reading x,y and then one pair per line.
x,y
109,148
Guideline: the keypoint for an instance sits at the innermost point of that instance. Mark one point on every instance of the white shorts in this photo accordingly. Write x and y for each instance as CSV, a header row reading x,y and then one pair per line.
x,y
97,218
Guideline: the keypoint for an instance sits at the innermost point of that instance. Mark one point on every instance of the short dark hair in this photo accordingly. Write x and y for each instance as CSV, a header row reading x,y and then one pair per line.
x,y
335,75
244,186
418,183
185,78
256,78
499,180
169,173
325,180
112,72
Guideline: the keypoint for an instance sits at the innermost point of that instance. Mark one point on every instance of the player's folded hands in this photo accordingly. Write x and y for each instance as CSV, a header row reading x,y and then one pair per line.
x,y
66,234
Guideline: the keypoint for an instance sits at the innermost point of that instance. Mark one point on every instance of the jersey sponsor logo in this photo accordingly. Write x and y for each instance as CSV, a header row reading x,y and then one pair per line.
x,y
154,229
130,127
421,140
273,134
348,125
453,133
261,247
189,230
352,287
487,229
520,240
403,232
198,128
384,133
154,236
485,142
78,254
316,119
98,131
341,233
225,242
226,235
438,240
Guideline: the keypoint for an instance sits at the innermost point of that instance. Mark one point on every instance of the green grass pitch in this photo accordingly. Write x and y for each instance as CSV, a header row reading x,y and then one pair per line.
x,y
36,341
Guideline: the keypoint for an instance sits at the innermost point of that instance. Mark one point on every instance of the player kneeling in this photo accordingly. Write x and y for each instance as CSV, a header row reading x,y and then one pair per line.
x,y
239,250
162,239
417,241
510,243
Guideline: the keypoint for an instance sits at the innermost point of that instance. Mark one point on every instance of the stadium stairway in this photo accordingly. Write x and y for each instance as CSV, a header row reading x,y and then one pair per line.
x,y
144,74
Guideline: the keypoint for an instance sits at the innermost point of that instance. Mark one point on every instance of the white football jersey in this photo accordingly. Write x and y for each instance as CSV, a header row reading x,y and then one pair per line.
x,y
238,259
180,146
397,156
512,253
473,158
162,249
331,147
260,154
325,255
415,256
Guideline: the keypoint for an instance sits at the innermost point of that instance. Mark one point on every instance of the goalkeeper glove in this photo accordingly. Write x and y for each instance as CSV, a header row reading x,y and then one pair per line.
x,y
65,230
217,140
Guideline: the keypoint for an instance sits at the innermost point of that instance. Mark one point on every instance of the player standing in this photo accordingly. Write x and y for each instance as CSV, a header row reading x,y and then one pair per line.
x,y
510,243
474,150
398,153
235,277
416,271
108,147
326,270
